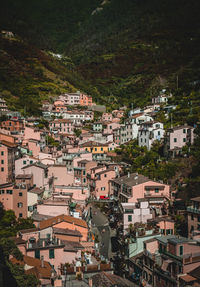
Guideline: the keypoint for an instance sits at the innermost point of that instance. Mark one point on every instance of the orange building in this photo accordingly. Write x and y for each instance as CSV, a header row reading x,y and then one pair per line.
x,y
12,125
85,100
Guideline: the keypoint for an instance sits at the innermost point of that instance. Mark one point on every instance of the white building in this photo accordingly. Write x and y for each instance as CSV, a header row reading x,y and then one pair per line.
x,y
72,98
150,132
133,213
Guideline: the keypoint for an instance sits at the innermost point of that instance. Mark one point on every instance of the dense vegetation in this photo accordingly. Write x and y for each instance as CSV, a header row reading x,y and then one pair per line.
x,y
125,49
29,76
13,275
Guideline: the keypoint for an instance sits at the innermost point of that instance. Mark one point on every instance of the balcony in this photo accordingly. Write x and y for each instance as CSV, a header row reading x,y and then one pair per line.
x,y
193,210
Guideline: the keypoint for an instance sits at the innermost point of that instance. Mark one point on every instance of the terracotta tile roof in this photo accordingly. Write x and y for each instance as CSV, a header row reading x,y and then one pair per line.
x,y
109,280
60,218
93,144
67,232
72,245
188,278
40,272
8,144
18,240
29,230
195,272
132,180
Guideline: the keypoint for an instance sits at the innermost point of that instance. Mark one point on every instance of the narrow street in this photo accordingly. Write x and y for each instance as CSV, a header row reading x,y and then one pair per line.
x,y
101,227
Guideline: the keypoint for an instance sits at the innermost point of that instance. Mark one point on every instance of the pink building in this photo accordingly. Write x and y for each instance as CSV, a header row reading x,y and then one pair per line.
x,y
179,256
31,133
62,126
110,127
34,147
60,175
14,196
99,181
132,187
22,162
106,117
81,170
78,194
53,206
40,174
7,160
177,138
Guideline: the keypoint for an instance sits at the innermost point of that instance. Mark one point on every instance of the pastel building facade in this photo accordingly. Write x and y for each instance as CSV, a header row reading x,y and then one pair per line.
x,y
99,182
133,187
133,213
85,100
62,126
177,138
7,161
14,196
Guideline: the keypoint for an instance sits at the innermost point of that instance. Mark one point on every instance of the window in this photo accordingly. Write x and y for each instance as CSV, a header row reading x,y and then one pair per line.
x,y
31,161
129,218
192,217
2,153
103,188
184,140
101,149
84,172
2,169
184,131
20,214
158,133
24,161
95,149
51,253
20,194
20,204
37,254
175,140
84,180
156,190
105,175
9,191
2,191
2,161
181,250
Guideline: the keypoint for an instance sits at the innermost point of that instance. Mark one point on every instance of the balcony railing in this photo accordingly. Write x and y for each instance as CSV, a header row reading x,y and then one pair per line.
x,y
193,210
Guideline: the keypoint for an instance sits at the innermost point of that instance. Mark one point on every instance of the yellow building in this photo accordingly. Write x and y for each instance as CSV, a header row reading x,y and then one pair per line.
x,y
95,147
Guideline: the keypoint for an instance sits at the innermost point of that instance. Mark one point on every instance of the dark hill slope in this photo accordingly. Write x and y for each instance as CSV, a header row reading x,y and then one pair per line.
x,y
29,75
128,48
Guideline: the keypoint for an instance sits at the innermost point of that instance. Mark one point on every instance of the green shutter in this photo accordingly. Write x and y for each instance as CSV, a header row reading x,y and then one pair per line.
x,y
51,253
37,253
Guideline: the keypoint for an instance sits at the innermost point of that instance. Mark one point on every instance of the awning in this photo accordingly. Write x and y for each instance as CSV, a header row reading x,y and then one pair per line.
x,y
72,205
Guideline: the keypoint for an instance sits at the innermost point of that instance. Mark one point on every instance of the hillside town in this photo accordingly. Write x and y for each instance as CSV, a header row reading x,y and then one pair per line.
x,y
96,223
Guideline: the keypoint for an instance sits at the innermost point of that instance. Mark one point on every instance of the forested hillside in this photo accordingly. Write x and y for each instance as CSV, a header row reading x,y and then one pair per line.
x,y
126,49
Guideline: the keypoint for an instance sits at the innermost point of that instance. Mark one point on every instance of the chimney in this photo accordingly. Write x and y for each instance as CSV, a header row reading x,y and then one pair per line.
x,y
42,261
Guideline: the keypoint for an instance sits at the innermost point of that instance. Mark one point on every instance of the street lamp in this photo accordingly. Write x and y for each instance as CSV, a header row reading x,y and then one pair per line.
x,y
65,273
